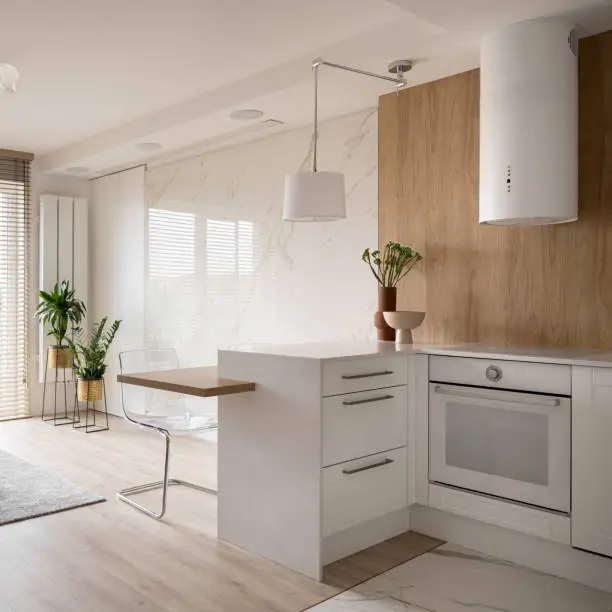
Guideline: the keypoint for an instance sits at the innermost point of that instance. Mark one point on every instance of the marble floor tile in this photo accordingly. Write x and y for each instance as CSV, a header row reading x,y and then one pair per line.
x,y
455,579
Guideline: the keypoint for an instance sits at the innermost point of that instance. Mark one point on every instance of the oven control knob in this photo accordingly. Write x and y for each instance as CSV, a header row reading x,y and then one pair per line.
x,y
494,374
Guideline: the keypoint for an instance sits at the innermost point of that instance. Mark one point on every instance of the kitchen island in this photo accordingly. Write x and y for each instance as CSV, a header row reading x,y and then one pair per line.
x,y
312,466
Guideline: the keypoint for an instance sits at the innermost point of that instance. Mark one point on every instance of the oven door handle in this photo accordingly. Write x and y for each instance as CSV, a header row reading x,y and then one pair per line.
x,y
500,396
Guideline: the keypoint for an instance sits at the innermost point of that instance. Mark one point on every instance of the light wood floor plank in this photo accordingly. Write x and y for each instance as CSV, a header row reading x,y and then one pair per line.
x,y
109,557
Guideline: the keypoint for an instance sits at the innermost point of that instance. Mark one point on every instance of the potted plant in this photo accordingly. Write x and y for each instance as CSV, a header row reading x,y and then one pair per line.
x,y
59,309
389,268
90,360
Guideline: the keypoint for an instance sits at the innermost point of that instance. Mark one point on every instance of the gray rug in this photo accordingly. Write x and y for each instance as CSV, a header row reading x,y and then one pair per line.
x,y
26,491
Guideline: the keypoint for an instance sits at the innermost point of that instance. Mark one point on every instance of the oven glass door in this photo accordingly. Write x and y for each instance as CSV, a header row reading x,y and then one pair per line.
x,y
503,443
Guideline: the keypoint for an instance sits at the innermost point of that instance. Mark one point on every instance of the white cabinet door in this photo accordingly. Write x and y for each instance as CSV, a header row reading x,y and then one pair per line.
x,y
358,491
592,459
360,424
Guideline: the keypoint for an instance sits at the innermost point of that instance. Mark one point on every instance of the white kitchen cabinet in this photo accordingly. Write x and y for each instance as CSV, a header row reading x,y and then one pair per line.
x,y
326,457
592,459
356,491
359,424
313,465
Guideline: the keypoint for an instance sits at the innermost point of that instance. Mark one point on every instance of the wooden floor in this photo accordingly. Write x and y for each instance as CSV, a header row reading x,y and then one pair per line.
x,y
109,557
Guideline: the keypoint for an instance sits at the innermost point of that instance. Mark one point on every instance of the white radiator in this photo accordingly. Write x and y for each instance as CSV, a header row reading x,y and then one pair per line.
x,y
63,252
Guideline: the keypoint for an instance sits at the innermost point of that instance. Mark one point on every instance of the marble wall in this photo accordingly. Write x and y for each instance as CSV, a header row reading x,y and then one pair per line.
x,y
222,266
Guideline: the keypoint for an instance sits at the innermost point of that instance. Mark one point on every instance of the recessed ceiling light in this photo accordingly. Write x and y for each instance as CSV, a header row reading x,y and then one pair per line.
x,y
9,75
77,170
246,114
149,146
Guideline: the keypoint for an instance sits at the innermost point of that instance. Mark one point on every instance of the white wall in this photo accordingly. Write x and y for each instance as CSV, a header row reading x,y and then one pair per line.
x,y
117,217
153,256
61,186
117,264
239,273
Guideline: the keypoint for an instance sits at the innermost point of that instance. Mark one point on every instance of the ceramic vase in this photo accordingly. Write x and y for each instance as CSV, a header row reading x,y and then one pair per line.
x,y
403,322
387,302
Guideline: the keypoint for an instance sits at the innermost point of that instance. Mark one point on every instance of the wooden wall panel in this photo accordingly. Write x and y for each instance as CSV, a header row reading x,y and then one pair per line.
x,y
546,286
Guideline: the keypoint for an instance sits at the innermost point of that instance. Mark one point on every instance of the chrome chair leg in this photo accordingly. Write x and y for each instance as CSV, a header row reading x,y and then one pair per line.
x,y
124,494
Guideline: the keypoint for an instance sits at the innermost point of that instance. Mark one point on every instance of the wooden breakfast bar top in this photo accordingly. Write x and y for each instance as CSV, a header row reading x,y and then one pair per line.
x,y
201,382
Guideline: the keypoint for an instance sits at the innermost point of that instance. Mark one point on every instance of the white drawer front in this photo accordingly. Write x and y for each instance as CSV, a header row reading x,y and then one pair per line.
x,y
358,491
360,424
519,375
350,375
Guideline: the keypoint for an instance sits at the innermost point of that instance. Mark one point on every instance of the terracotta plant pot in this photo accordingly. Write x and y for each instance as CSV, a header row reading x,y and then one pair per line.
x,y
89,390
59,357
387,302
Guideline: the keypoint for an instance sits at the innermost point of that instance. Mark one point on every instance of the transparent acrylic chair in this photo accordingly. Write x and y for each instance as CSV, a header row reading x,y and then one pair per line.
x,y
165,412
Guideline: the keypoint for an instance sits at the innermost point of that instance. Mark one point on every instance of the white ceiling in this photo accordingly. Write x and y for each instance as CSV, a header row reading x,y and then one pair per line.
x,y
99,77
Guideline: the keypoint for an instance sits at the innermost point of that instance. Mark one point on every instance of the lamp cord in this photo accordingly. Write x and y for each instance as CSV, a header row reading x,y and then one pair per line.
x,y
315,69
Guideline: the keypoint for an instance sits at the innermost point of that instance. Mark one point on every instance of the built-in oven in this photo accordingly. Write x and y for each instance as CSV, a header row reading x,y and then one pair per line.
x,y
497,441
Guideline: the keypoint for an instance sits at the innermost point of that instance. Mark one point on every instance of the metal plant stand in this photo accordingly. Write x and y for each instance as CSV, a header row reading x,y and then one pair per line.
x,y
90,407
62,418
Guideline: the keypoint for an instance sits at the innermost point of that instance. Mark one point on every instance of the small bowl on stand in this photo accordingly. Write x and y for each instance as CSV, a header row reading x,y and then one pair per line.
x,y
403,322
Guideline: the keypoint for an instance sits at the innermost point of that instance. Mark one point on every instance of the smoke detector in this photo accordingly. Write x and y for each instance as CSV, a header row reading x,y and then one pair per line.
x,y
9,75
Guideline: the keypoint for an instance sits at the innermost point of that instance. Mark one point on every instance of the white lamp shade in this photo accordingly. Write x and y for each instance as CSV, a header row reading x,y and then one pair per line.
x,y
314,196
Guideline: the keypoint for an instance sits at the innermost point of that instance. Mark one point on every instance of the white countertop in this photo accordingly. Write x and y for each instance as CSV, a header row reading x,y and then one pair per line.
x,y
326,350
566,356
365,348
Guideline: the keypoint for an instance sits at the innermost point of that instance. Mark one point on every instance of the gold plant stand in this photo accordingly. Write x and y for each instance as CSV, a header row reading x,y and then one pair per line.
x,y
90,392
58,359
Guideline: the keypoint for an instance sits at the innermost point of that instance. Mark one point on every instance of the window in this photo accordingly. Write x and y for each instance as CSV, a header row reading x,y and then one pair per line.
x,y
14,285
171,284
171,244
229,248
202,273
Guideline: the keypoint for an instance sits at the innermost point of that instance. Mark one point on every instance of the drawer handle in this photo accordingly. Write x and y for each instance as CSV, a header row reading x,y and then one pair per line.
x,y
380,398
367,467
367,375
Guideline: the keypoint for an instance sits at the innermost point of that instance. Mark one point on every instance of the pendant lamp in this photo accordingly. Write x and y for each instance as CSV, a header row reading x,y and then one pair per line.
x,y
320,195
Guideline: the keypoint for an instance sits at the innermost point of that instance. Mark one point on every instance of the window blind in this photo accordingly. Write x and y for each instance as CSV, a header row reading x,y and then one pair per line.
x,y
229,248
171,244
14,283
171,275
202,274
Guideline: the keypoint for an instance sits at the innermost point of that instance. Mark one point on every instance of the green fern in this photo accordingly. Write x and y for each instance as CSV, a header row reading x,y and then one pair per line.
x,y
90,358
58,309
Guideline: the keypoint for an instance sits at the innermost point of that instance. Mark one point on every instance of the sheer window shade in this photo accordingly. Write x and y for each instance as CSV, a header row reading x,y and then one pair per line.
x,y
14,283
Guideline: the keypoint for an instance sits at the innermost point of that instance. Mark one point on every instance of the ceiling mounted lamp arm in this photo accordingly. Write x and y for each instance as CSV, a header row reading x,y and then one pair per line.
x,y
393,67
321,196
398,67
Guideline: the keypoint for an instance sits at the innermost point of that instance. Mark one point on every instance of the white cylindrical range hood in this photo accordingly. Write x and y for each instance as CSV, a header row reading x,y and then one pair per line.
x,y
529,124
